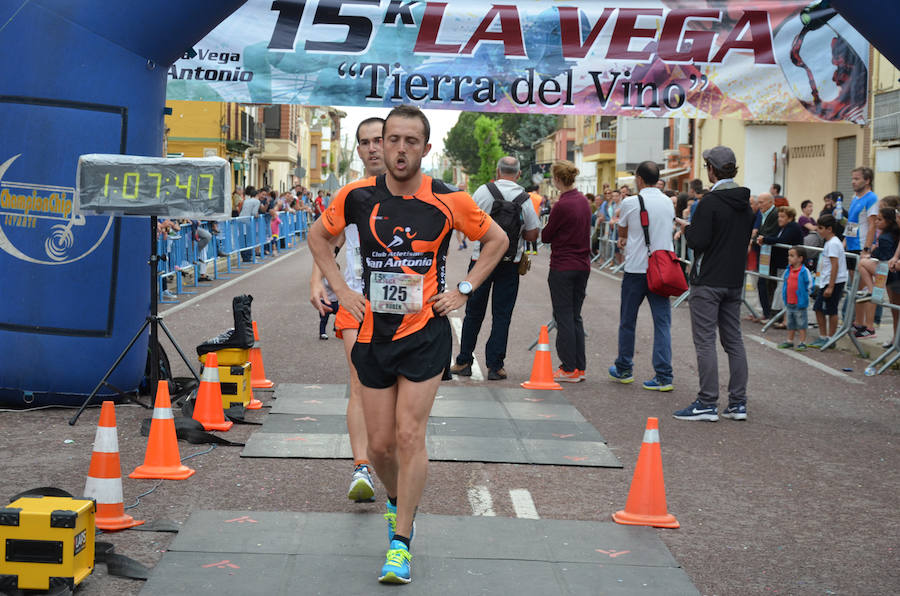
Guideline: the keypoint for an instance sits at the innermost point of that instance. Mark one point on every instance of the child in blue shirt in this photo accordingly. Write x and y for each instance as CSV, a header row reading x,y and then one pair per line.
x,y
795,290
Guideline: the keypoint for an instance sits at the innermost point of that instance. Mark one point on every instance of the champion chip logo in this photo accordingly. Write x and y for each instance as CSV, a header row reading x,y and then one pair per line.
x,y
29,209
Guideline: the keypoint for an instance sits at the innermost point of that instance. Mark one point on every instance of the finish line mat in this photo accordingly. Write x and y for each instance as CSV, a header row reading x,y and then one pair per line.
x,y
477,424
287,553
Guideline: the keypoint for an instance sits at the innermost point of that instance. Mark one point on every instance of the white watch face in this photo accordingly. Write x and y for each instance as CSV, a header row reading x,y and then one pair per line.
x,y
465,288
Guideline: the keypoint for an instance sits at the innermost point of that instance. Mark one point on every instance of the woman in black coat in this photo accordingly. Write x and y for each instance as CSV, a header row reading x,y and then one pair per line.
x,y
790,233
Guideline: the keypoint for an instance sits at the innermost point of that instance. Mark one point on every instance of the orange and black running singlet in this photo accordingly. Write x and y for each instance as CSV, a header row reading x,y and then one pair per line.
x,y
403,245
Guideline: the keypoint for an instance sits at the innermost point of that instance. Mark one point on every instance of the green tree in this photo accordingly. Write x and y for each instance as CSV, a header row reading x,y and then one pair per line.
x,y
487,137
517,133
459,146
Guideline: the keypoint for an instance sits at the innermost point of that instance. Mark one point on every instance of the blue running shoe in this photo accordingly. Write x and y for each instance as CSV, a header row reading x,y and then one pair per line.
x,y
396,565
698,411
738,412
655,385
391,517
361,488
622,376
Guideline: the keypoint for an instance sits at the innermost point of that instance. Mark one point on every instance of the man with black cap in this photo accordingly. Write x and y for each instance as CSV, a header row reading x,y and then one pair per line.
x,y
719,233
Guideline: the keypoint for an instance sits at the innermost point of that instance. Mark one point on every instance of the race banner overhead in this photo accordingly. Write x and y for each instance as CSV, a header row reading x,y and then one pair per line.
x,y
750,59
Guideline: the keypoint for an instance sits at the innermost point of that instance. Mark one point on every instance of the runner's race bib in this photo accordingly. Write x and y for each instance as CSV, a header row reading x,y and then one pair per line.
x,y
878,290
395,293
851,230
765,257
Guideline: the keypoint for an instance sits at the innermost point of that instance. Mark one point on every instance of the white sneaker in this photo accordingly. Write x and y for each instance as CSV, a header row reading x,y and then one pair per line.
x,y
361,489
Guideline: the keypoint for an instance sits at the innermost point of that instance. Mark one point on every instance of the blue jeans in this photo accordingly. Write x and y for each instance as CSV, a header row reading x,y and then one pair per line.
x,y
502,286
634,290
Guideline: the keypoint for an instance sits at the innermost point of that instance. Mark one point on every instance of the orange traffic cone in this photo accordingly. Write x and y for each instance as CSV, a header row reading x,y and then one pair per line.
x,y
208,405
646,505
162,459
258,378
542,369
104,479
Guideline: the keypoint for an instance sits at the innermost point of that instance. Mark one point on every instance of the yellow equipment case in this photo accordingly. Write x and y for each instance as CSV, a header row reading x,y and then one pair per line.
x,y
234,381
46,541
234,376
229,356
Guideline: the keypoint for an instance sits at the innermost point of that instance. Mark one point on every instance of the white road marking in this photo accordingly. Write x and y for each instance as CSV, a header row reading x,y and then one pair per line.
x,y
480,499
522,503
229,283
477,375
804,359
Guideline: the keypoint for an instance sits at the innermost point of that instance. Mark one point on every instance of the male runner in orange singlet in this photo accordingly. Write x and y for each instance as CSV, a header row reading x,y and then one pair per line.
x,y
404,341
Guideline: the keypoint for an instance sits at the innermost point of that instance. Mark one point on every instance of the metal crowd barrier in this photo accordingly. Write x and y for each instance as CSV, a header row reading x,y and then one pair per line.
x,y
239,237
848,311
607,237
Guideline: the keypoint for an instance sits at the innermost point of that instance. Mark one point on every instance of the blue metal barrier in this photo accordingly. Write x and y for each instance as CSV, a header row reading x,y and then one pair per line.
x,y
238,239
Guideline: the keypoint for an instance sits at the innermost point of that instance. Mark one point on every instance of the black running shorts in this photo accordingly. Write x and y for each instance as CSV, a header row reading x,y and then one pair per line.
x,y
417,357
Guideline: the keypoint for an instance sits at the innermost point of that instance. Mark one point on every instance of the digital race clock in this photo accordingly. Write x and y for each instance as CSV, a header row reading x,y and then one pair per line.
x,y
184,187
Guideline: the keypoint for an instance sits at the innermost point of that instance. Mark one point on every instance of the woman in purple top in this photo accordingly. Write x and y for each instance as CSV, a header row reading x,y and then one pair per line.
x,y
568,234
806,220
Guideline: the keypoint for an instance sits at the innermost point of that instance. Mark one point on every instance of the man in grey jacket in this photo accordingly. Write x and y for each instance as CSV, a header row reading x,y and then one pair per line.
x,y
719,233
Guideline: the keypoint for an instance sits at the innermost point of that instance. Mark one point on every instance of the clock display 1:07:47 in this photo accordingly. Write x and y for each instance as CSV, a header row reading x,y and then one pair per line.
x,y
132,180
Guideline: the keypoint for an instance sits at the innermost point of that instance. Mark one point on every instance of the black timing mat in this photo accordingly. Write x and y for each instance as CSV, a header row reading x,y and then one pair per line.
x,y
287,553
478,424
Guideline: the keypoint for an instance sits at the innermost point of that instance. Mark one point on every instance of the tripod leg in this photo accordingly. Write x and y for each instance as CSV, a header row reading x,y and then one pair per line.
x,y
178,349
74,418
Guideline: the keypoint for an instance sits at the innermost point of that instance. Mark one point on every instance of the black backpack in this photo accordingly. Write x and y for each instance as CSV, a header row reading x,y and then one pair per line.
x,y
508,215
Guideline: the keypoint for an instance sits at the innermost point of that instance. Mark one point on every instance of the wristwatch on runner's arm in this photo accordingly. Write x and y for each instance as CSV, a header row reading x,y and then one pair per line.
x,y
464,287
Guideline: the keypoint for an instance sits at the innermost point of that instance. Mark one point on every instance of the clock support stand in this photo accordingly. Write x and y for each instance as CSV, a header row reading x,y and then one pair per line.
x,y
154,322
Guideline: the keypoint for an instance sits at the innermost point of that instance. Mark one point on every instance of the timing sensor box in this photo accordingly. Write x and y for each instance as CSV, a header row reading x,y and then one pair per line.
x,y
45,542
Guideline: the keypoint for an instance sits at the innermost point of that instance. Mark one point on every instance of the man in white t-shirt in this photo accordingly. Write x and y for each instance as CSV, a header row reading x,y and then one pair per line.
x,y
661,216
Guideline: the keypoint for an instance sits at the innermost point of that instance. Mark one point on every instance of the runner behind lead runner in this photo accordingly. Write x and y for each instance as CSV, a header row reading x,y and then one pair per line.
x,y
404,341
368,147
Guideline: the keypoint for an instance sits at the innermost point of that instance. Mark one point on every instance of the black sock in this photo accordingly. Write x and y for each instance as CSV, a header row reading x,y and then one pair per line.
x,y
393,500
402,539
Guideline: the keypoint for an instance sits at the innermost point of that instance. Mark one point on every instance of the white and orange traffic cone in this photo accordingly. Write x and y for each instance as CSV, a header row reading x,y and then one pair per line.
x,y
258,378
104,479
646,504
162,459
208,405
542,369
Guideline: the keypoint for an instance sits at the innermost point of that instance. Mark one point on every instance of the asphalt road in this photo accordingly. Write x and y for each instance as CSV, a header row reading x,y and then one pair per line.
x,y
800,499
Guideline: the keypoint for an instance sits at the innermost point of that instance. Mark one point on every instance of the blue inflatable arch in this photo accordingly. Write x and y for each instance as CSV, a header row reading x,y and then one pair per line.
x,y
78,77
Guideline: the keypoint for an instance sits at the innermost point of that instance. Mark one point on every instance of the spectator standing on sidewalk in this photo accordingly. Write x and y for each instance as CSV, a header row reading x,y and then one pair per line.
x,y
719,233
768,217
797,283
660,214
567,233
502,285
